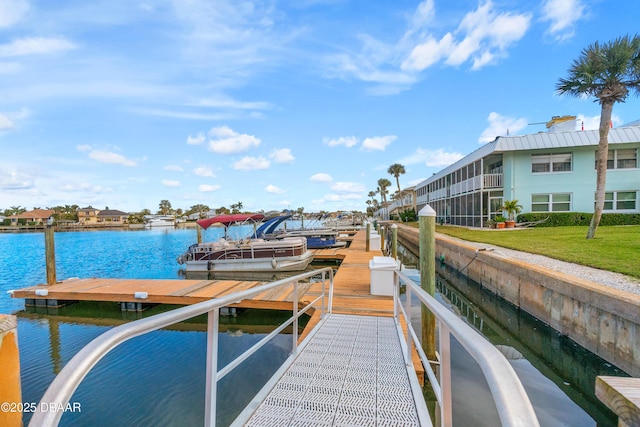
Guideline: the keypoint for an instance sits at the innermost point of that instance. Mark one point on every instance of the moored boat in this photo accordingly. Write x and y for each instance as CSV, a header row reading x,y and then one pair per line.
x,y
159,221
317,238
249,254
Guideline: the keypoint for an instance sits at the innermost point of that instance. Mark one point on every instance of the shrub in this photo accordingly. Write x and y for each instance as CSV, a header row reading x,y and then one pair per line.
x,y
559,219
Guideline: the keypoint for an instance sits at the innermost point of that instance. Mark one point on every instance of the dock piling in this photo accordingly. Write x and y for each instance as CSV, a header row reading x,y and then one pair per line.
x,y
50,255
394,241
427,222
367,243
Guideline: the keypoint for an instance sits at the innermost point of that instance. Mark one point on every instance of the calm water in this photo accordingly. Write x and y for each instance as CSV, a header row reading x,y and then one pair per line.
x,y
158,379
558,374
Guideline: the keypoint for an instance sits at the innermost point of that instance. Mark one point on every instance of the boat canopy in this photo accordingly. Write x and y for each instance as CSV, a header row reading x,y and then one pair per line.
x,y
270,225
228,219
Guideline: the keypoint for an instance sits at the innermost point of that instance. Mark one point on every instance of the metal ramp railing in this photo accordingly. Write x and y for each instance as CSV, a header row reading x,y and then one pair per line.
x,y
345,345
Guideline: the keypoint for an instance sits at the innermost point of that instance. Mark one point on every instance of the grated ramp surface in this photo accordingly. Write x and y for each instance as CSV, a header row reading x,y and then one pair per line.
x,y
351,373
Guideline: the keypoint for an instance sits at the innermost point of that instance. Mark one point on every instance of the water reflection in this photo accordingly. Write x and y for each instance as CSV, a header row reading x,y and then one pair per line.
x,y
155,379
558,374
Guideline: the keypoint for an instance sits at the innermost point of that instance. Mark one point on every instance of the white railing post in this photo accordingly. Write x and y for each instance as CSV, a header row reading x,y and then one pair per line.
x,y
407,313
295,318
213,320
445,375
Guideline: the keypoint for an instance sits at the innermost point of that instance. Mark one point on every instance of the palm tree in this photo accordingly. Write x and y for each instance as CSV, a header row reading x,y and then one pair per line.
x,y
608,72
164,207
383,185
512,208
396,170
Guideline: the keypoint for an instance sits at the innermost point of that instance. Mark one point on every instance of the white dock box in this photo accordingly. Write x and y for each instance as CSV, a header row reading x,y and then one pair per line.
x,y
374,240
382,268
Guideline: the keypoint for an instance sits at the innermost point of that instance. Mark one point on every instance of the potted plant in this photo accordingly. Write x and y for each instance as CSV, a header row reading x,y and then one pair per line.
x,y
500,221
512,208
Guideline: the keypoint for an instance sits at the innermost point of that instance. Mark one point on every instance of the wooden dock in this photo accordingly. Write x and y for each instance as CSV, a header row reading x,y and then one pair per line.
x,y
351,293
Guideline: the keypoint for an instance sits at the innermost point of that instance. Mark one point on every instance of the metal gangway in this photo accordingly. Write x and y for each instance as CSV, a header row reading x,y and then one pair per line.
x,y
350,370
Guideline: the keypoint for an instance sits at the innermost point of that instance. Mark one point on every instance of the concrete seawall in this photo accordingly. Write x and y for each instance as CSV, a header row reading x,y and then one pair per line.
x,y
603,320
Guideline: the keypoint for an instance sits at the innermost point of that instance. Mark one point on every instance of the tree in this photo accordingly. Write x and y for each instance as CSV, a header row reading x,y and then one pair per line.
x,y
164,208
608,72
396,170
236,207
199,209
512,208
383,185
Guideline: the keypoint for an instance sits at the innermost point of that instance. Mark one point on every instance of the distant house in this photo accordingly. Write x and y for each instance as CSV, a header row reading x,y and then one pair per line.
x,y
88,215
112,216
37,216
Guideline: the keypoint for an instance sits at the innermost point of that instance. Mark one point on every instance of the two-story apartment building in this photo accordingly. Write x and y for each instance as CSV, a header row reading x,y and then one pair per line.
x,y
550,171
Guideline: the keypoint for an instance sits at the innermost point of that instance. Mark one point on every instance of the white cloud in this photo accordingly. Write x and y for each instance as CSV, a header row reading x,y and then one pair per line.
x,y
226,102
342,197
500,126
225,140
206,188
321,177
347,187
204,171
562,16
428,53
273,189
8,120
347,141
108,157
282,155
85,187
196,140
5,123
251,163
174,168
487,34
34,46
170,183
593,122
15,179
431,158
11,11
378,142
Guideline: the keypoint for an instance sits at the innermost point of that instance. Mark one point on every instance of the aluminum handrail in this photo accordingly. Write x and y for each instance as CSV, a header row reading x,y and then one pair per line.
x,y
510,397
70,377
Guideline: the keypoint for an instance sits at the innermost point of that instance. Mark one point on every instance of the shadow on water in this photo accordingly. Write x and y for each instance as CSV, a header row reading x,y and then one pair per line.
x,y
558,374
155,379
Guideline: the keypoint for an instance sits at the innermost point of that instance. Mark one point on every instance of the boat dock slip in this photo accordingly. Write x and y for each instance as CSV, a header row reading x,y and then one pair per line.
x,y
353,281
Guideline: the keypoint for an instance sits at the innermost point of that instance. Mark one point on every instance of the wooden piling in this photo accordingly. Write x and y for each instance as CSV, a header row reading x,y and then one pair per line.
x,y
10,394
199,231
382,239
427,222
394,241
50,255
367,242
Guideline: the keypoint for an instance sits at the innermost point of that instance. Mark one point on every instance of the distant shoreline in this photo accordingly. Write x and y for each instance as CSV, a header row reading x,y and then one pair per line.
x,y
89,227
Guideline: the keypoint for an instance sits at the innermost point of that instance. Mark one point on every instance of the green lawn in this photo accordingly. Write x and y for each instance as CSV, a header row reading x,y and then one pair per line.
x,y
615,248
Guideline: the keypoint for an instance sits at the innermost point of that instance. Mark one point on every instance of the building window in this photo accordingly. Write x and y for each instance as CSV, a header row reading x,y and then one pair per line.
x,y
547,163
620,200
555,202
621,159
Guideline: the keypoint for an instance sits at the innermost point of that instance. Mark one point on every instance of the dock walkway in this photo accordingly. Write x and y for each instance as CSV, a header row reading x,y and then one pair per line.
x,y
352,372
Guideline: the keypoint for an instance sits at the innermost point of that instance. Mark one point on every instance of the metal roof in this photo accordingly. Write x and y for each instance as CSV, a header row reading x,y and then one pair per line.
x,y
540,141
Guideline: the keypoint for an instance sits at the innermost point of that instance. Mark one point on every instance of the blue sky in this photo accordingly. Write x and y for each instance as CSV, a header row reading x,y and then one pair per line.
x,y
275,104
